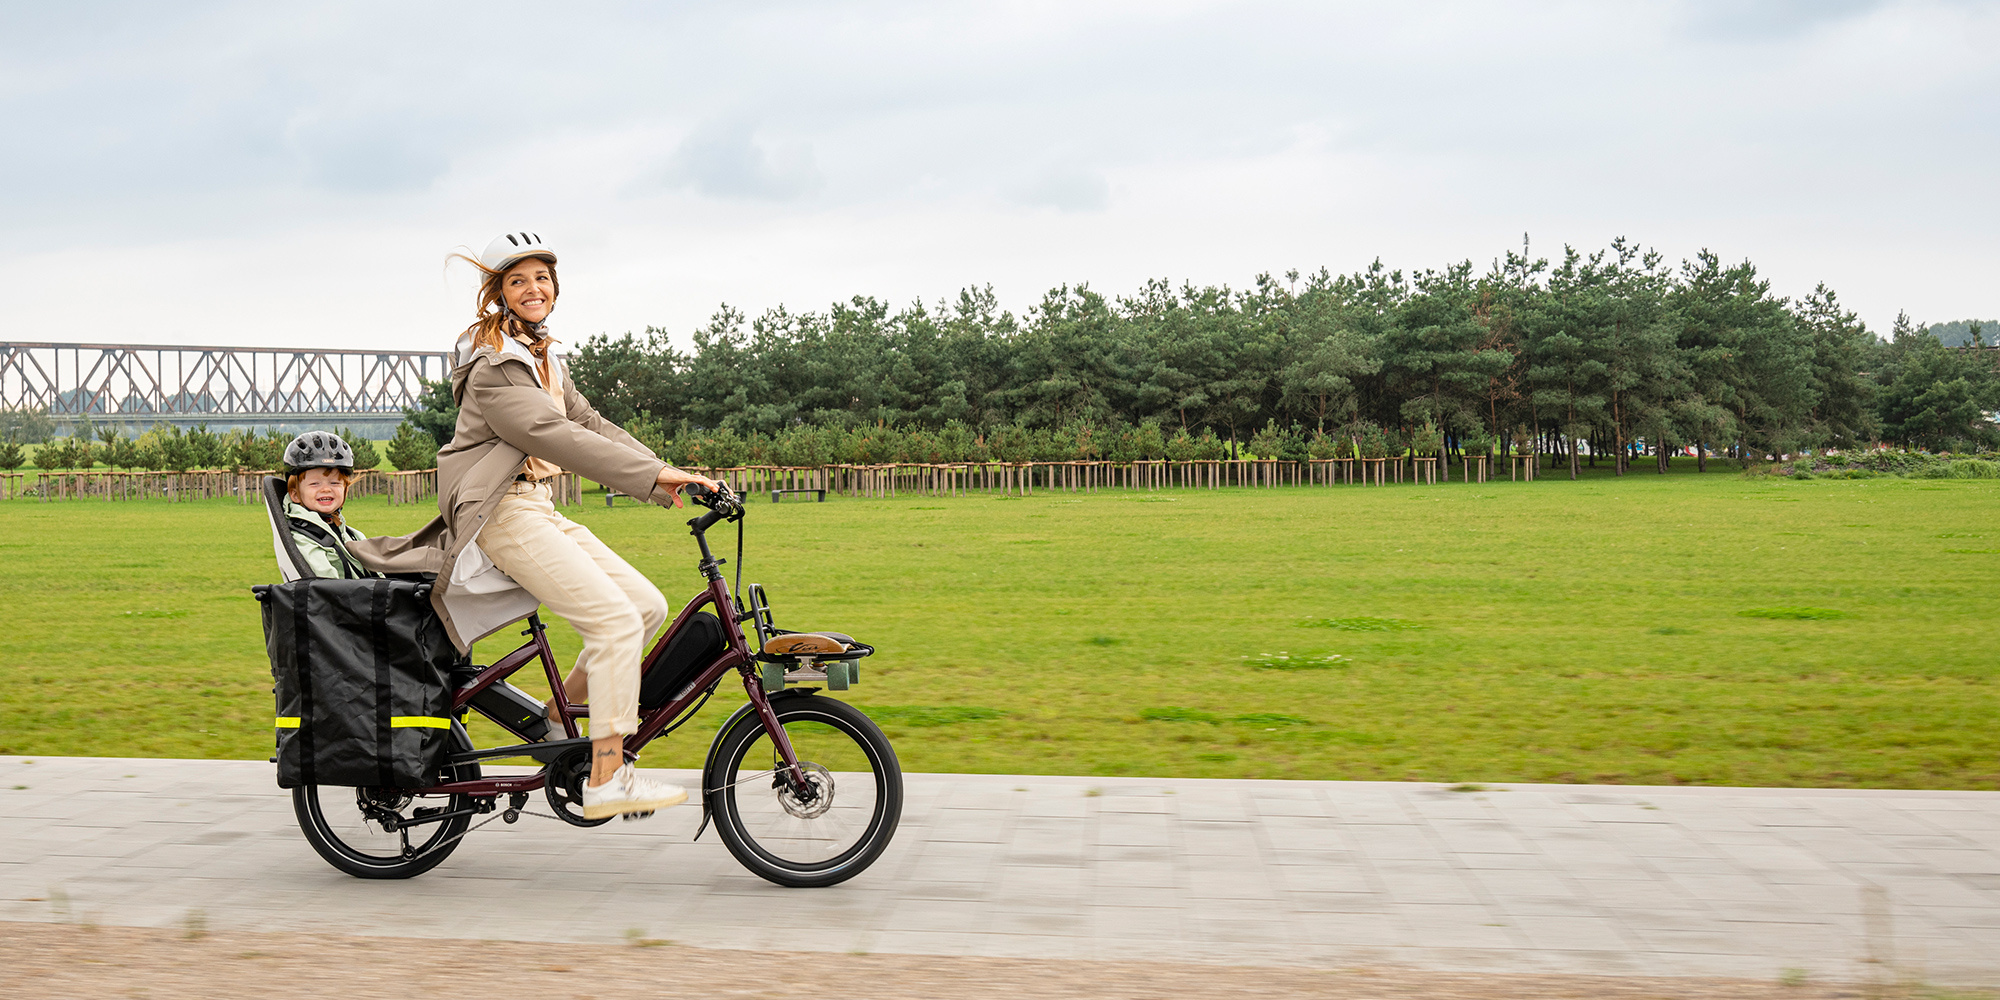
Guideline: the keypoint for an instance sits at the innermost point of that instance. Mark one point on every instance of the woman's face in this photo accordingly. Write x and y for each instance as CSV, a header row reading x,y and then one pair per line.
x,y
321,490
530,289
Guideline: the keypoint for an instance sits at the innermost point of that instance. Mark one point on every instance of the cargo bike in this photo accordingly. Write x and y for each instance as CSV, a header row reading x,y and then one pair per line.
x,y
802,788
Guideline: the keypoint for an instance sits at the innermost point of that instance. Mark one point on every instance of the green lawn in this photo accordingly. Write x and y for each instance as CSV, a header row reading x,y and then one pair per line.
x,y
1593,631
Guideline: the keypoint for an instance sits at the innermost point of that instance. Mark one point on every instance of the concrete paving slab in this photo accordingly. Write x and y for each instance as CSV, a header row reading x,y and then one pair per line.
x,y
1577,879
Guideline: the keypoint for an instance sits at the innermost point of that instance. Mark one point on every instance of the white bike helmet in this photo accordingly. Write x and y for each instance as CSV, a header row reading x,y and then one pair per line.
x,y
508,249
318,450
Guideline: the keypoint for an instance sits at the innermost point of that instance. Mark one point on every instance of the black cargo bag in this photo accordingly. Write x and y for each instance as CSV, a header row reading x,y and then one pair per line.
x,y
360,667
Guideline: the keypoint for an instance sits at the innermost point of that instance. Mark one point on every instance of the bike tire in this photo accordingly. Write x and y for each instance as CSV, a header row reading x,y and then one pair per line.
x,y
326,815
759,827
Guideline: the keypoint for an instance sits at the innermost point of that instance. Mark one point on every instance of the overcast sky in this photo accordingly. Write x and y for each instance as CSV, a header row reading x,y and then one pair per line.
x,y
279,174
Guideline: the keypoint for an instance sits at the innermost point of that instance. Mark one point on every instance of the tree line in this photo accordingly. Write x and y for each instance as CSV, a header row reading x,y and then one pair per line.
x,y
1611,353
1613,348
182,449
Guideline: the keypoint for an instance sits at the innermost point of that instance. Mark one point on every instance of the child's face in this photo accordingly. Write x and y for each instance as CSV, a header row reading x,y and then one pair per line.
x,y
321,490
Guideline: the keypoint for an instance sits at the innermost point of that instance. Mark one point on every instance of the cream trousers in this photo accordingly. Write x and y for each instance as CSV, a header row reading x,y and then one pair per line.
x,y
612,606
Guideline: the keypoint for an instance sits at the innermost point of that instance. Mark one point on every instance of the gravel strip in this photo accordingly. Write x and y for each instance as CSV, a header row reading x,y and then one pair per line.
x,y
70,960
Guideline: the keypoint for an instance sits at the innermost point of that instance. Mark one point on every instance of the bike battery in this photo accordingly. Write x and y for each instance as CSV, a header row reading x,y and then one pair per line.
x,y
514,708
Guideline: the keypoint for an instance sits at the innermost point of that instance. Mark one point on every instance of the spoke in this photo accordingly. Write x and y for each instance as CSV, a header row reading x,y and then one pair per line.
x,y
801,838
350,822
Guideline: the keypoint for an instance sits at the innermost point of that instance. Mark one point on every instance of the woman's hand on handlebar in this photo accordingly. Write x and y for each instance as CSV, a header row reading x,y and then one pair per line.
x,y
672,479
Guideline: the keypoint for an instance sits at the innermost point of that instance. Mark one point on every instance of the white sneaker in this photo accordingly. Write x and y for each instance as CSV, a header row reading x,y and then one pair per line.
x,y
626,792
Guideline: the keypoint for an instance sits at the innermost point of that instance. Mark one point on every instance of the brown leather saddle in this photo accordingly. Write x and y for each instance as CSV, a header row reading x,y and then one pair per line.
x,y
808,644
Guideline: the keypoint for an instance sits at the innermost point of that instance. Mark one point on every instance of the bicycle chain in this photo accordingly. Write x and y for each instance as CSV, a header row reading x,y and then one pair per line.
x,y
502,814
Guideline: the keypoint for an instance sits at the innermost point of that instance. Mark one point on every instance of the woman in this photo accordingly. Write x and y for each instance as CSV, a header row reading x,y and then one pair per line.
x,y
521,422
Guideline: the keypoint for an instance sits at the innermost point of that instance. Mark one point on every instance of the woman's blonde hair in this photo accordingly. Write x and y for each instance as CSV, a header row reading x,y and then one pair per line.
x,y
293,481
495,321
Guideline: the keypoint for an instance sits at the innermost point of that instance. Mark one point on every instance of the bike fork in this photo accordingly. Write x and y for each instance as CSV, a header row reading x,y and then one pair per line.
x,y
793,773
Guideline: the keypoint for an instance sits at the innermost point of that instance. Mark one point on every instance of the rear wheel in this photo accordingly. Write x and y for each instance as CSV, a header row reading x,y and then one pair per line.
x,y
363,831
833,828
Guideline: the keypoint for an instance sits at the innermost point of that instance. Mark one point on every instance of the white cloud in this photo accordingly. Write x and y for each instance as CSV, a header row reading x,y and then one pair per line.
x,y
1067,187
725,159
188,171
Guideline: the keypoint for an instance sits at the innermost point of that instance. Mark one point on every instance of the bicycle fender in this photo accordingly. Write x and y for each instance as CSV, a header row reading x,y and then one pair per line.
x,y
708,779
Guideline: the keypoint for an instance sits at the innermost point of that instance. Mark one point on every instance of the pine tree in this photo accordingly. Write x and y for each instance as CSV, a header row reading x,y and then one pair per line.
x,y
436,412
410,449
365,455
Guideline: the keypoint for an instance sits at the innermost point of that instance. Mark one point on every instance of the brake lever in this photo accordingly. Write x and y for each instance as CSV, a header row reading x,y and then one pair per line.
x,y
724,500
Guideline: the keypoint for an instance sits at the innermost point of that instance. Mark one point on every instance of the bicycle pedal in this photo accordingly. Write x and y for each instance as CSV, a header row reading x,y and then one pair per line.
x,y
632,816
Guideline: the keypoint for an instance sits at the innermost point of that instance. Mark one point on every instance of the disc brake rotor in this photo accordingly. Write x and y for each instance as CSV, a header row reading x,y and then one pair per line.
x,y
821,782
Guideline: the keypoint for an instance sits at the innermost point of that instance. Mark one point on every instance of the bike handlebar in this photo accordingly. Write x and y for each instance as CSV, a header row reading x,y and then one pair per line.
x,y
722,504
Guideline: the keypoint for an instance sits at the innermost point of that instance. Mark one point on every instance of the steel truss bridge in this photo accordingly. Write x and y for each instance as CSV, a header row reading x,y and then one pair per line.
x,y
223,387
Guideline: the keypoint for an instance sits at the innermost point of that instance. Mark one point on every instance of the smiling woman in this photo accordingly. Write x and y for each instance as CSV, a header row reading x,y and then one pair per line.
x,y
500,549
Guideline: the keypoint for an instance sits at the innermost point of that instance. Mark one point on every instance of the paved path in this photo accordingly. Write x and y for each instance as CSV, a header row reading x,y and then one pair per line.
x,y
1547,878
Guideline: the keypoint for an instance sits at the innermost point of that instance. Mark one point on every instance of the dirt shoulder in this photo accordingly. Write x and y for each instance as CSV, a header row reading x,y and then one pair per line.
x,y
69,960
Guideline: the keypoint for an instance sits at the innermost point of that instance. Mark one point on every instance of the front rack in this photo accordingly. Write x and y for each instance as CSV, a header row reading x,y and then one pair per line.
x,y
837,671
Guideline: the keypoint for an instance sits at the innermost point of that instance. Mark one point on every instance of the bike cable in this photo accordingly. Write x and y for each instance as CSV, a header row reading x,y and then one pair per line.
x,y
738,595
690,713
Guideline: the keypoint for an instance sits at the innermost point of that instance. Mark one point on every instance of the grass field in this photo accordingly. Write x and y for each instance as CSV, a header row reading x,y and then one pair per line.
x,y
1700,629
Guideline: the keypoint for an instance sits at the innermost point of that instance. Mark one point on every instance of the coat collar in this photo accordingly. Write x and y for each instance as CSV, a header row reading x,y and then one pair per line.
x,y
467,351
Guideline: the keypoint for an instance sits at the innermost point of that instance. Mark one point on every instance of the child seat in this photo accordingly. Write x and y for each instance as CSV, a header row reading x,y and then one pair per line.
x,y
291,564
482,600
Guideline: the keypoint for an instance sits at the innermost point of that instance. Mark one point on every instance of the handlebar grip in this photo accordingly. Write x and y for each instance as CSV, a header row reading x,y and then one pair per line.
x,y
710,498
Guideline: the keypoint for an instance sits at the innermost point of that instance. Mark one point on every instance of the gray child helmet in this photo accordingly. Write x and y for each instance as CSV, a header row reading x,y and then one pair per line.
x,y
318,450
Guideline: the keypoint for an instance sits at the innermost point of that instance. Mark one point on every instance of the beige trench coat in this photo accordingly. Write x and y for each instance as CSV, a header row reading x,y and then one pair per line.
x,y
505,414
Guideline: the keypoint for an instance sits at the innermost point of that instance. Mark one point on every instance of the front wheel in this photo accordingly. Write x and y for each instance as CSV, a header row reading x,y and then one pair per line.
x,y
352,827
825,833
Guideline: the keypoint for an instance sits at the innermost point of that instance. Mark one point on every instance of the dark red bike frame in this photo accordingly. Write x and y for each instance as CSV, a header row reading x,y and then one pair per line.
x,y
737,657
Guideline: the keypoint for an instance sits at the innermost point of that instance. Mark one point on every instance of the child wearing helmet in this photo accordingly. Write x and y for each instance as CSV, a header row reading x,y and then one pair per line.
x,y
319,467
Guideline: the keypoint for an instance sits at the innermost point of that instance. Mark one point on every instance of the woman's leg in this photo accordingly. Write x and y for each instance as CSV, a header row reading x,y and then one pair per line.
x,y
645,596
652,607
526,540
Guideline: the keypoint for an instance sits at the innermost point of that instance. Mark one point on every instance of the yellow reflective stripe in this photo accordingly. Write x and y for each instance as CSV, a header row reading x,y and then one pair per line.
x,y
418,722
395,722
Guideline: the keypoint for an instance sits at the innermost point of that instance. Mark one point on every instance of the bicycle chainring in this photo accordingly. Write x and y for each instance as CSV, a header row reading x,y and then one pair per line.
x,y
564,787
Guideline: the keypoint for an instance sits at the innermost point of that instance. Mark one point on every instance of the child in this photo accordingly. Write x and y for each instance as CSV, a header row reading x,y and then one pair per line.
x,y
318,469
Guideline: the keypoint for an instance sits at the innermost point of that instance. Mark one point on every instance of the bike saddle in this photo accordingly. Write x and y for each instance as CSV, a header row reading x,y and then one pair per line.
x,y
807,644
